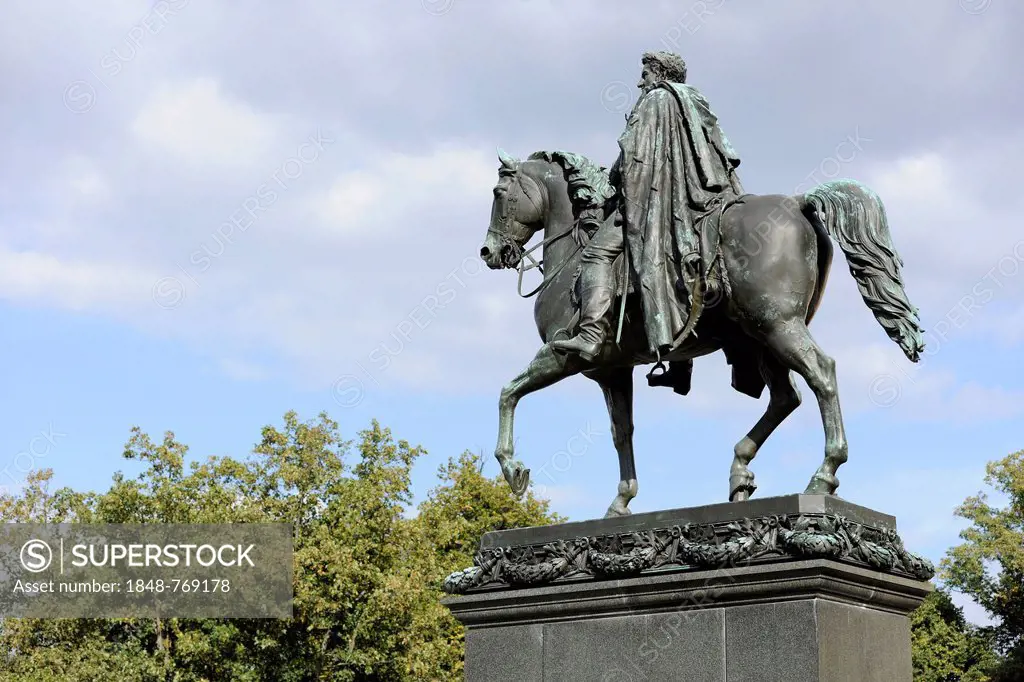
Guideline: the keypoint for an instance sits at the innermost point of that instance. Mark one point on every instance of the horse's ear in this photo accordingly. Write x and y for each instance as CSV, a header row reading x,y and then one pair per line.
x,y
506,160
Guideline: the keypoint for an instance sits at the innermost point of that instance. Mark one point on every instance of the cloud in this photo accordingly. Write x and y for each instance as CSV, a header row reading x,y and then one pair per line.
x,y
941,211
392,191
85,179
351,200
198,124
1007,328
365,264
242,370
963,260
32,278
371,243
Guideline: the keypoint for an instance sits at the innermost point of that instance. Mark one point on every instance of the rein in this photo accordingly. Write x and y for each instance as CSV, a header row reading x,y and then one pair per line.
x,y
523,269
521,256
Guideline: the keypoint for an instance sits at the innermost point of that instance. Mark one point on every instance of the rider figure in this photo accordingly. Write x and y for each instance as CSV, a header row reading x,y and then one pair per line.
x,y
661,198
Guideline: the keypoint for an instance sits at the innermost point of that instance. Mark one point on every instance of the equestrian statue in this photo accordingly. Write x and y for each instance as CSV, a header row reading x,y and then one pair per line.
x,y
664,258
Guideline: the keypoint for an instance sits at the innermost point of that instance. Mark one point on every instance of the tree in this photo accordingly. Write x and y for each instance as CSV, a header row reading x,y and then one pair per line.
x,y
989,564
945,647
366,578
457,512
466,504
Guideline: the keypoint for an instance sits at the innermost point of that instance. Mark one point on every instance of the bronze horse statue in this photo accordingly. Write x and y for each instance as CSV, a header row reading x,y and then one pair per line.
x,y
773,262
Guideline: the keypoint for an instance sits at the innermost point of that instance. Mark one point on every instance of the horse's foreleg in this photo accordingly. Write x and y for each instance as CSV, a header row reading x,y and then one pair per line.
x,y
784,397
547,368
617,385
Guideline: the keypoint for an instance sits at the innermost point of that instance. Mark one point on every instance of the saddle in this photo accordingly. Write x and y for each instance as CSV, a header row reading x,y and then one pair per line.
x,y
708,283
706,287
745,359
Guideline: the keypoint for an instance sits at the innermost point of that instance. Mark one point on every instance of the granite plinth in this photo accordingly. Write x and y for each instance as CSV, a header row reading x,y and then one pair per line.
x,y
785,619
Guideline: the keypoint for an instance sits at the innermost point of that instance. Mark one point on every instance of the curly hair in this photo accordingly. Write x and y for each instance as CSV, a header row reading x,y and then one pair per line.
x,y
665,65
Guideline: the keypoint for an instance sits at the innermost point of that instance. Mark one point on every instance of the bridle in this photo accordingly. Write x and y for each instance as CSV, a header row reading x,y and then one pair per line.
x,y
520,255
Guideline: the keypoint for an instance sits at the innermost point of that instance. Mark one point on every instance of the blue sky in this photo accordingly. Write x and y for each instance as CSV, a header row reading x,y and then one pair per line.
x,y
210,218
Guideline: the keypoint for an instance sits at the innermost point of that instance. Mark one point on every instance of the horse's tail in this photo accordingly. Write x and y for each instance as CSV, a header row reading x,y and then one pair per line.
x,y
854,216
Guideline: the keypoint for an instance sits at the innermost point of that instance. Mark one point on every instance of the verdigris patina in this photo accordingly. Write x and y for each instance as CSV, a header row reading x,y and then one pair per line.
x,y
692,547
698,266
675,171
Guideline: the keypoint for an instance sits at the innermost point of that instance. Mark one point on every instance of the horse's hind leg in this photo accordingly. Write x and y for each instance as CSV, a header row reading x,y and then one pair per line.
x,y
792,344
617,384
547,368
784,397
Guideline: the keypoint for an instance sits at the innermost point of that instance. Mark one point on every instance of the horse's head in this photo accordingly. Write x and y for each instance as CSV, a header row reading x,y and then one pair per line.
x,y
516,215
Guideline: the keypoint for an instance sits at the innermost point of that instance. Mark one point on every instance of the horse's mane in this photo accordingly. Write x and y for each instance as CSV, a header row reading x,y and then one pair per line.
x,y
589,184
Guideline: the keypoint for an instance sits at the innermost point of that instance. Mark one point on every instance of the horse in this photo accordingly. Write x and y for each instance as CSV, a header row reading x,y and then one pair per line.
x,y
774,256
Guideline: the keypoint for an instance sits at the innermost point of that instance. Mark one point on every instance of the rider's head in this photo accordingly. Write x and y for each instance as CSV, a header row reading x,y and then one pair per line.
x,y
661,66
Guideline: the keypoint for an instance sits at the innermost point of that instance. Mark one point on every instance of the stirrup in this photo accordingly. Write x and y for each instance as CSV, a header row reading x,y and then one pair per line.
x,y
654,373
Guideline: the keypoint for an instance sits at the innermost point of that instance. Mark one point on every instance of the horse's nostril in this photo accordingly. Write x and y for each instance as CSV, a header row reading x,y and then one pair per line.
x,y
485,252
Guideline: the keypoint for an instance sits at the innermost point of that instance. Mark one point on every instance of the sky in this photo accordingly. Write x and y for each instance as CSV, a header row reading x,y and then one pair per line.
x,y
211,216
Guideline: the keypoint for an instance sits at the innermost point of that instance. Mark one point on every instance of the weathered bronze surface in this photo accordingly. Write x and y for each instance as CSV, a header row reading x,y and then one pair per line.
x,y
794,527
664,258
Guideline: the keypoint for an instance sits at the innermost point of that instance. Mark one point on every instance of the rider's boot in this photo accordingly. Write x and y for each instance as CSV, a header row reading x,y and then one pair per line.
x,y
597,291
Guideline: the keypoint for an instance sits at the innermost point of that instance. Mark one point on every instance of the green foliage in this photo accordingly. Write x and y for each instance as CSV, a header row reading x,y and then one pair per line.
x,y
945,647
989,564
366,576
466,504
367,572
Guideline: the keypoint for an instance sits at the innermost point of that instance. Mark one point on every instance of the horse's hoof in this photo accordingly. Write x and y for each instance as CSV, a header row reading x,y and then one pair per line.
x,y
617,509
741,487
518,478
822,484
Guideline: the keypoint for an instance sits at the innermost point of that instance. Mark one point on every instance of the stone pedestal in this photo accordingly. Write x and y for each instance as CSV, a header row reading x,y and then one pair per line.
x,y
788,589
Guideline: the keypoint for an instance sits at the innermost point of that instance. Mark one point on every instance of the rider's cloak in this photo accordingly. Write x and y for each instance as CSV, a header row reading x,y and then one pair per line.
x,y
675,164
